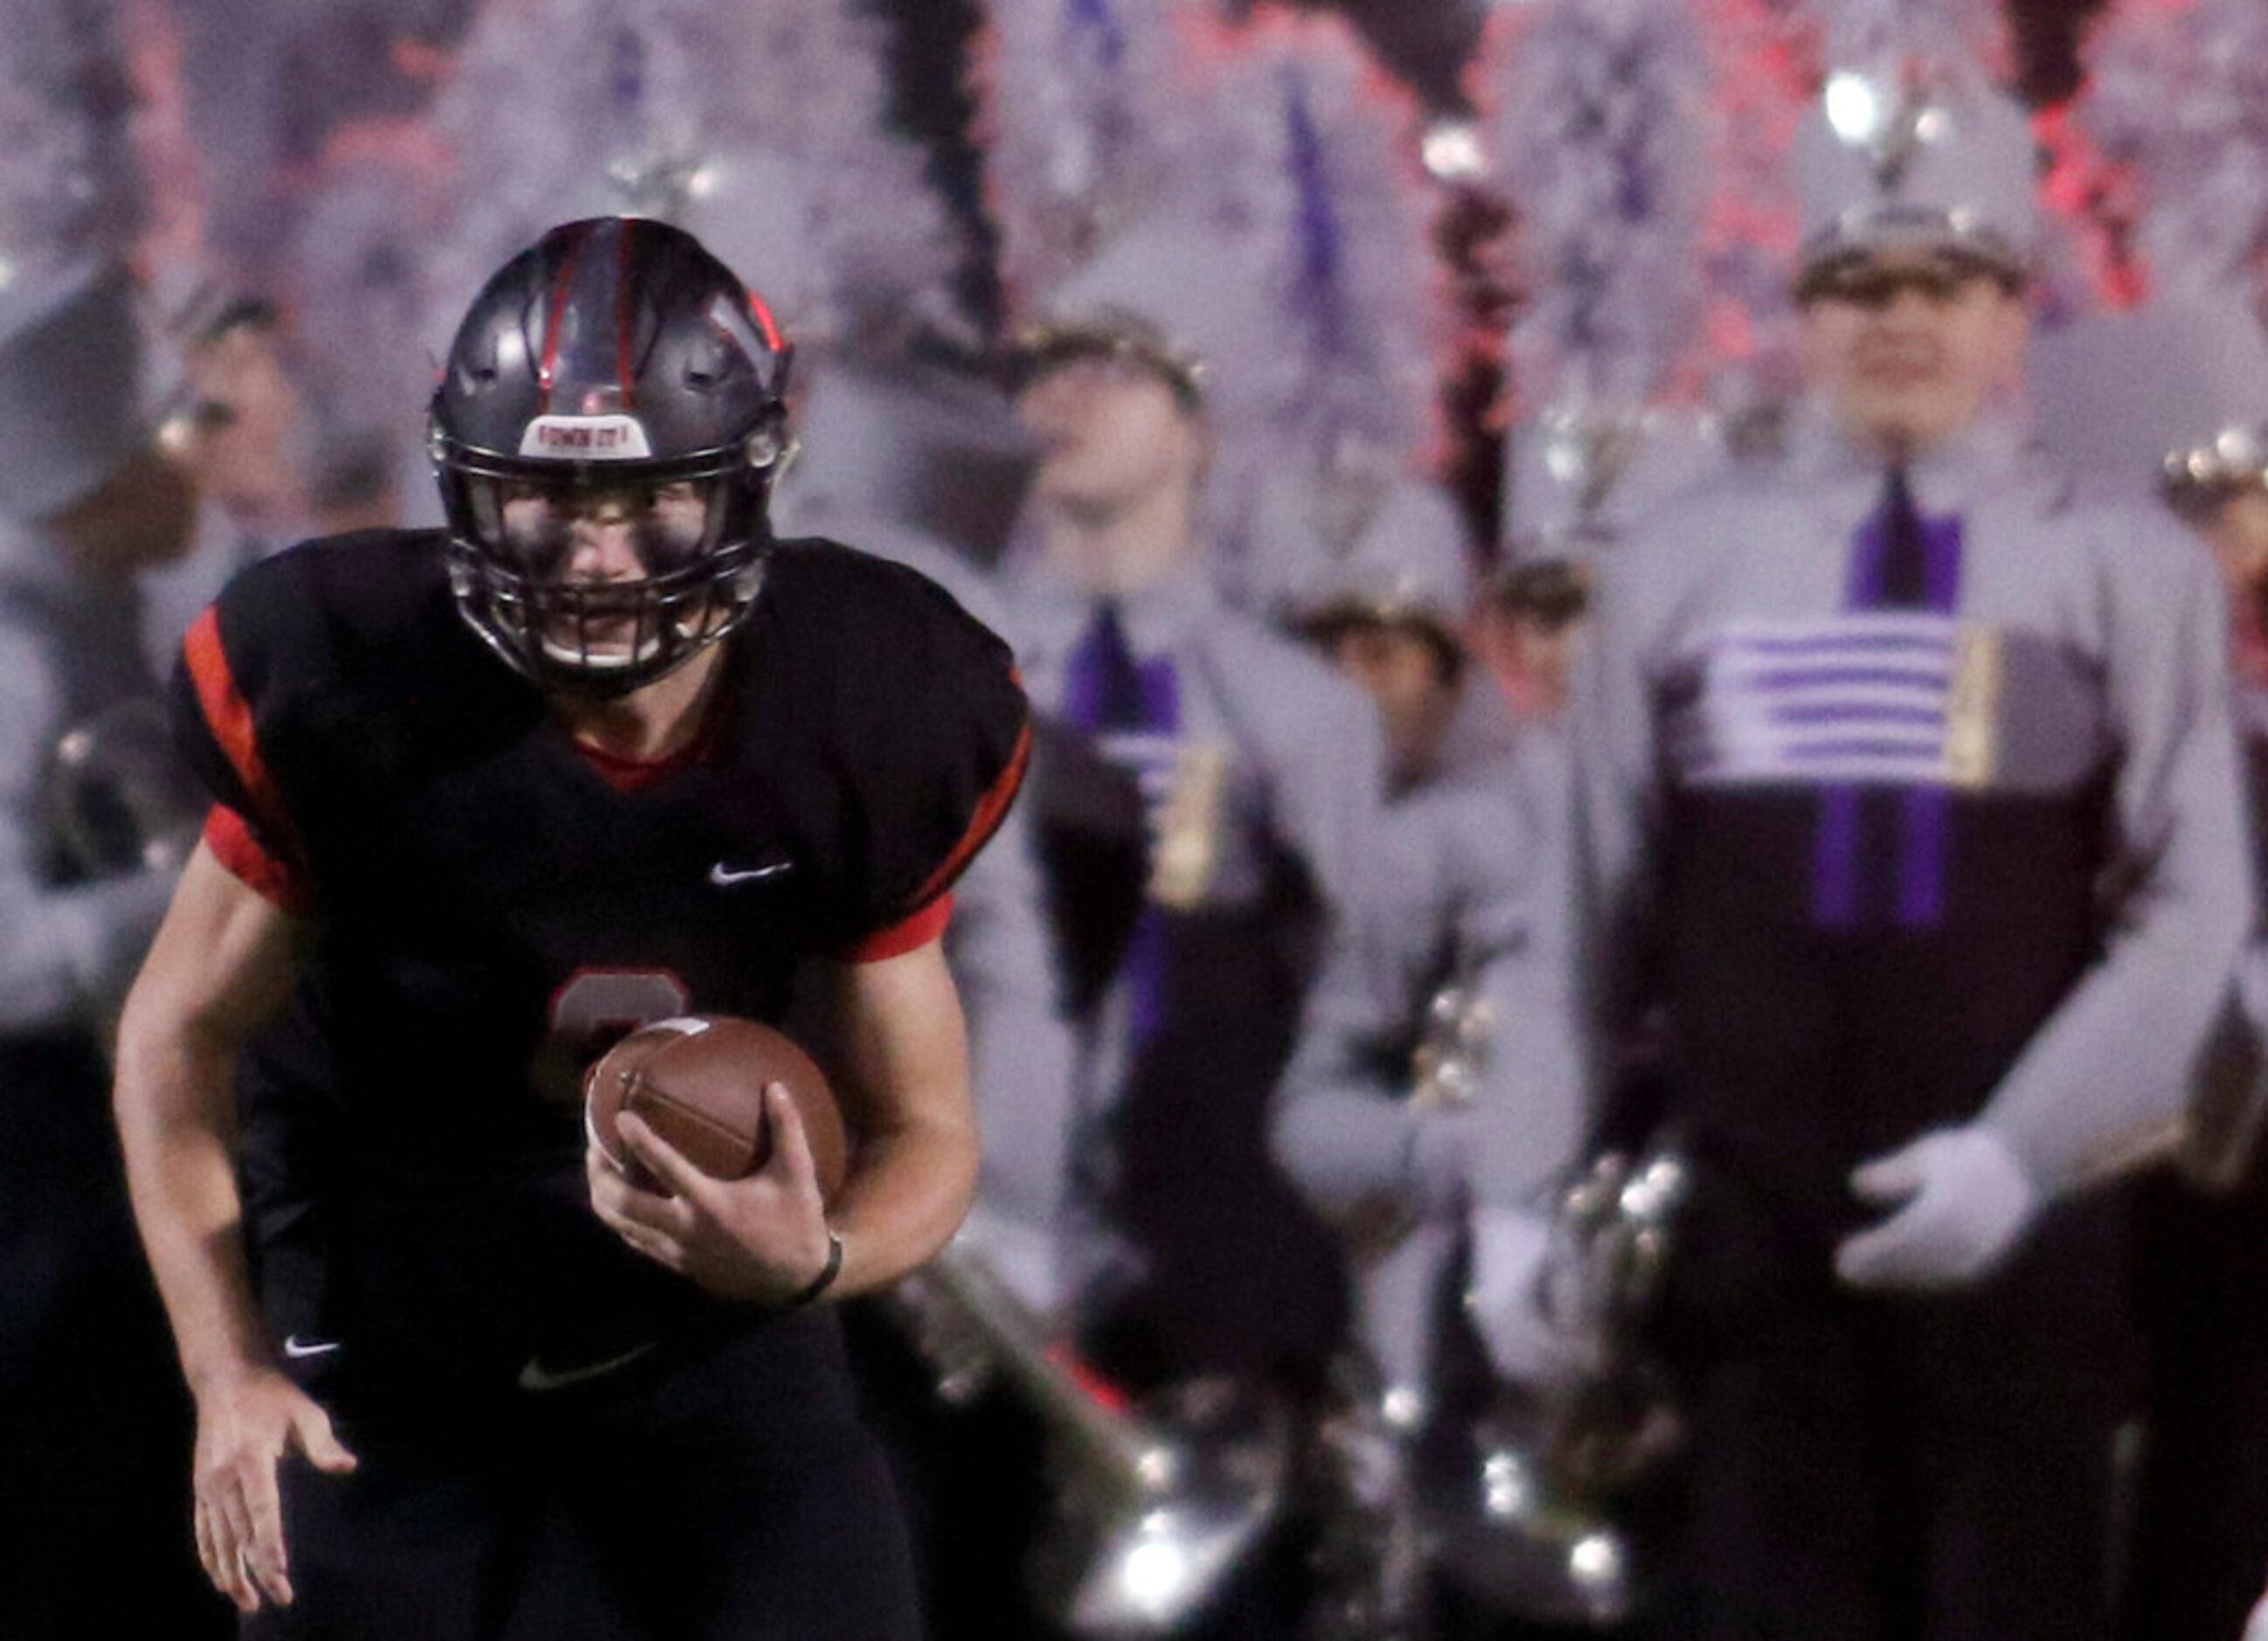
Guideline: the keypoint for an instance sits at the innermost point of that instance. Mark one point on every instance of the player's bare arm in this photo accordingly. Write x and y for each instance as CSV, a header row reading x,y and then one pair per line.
x,y
904,1087
224,960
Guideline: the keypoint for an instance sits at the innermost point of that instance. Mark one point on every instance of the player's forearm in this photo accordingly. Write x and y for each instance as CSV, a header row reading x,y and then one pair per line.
x,y
174,1120
908,1194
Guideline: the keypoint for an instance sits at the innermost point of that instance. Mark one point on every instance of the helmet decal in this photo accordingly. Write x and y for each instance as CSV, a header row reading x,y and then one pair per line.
x,y
586,439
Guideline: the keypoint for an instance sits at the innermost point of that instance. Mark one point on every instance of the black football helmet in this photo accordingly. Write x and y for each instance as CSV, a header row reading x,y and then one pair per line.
x,y
614,376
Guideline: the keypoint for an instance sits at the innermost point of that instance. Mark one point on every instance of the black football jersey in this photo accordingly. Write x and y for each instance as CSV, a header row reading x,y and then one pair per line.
x,y
494,912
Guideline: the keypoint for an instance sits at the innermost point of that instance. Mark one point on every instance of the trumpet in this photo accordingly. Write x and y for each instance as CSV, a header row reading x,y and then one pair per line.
x,y
1158,1506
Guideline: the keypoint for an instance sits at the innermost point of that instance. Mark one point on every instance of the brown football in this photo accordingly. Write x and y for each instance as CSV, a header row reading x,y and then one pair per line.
x,y
698,1082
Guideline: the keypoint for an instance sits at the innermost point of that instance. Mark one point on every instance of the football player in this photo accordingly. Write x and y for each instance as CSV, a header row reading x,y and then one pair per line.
x,y
602,752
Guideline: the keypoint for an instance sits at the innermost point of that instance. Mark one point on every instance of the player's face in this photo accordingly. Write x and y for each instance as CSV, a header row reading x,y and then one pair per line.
x,y
1910,348
1111,433
593,537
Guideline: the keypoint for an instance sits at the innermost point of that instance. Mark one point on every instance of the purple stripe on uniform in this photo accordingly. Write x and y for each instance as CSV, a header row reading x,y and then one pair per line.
x,y
1928,837
1857,713
1926,843
1817,677
1820,751
1864,589
1161,696
1835,860
1083,690
1835,853
1941,544
1143,965
1839,874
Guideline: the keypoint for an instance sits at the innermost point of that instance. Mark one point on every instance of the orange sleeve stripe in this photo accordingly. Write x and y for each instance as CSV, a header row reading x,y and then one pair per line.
x,y
229,715
991,810
233,844
916,931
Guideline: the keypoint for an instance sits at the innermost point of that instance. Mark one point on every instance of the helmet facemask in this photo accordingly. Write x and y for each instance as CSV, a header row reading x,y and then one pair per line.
x,y
534,583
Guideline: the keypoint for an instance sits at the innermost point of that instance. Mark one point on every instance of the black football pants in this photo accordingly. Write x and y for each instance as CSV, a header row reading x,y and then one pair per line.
x,y
732,1493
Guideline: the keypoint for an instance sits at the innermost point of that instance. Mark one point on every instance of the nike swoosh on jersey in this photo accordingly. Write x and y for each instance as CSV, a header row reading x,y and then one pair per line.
x,y
536,1376
724,876
300,1349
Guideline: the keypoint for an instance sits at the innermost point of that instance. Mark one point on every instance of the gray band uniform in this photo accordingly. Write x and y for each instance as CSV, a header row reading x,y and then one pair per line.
x,y
2018,909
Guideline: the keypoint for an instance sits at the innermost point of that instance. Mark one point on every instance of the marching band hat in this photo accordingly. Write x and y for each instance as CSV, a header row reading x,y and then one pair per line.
x,y
1888,162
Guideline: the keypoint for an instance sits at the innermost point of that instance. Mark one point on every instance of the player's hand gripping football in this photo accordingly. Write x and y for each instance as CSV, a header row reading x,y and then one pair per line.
x,y
762,1238
245,1423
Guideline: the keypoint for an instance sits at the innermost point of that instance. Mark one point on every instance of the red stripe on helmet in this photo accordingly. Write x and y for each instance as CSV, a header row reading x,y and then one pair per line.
x,y
764,319
549,369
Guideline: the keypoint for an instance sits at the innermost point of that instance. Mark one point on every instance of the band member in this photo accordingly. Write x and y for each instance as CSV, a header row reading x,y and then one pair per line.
x,y
1403,1112
1452,899
1200,787
1865,738
603,751
1210,796
98,1433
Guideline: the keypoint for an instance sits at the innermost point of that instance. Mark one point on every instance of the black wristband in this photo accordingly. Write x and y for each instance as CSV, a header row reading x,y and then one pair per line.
x,y
825,1279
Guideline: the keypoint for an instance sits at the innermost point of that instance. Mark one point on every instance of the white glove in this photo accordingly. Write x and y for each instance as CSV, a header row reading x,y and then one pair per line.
x,y
1967,1203
1506,1300
2255,1628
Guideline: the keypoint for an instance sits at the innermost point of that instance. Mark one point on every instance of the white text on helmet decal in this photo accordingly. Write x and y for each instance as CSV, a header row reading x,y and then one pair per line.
x,y
586,438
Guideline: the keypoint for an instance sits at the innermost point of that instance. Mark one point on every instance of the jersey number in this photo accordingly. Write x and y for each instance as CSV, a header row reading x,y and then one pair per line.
x,y
595,1010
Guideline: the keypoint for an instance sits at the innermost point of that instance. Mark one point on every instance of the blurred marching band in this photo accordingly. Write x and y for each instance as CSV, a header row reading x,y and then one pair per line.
x,y
1655,1033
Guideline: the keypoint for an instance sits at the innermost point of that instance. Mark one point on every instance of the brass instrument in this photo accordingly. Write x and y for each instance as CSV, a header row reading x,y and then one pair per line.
x,y
120,802
1375,1548
1535,1534
119,799
1452,1052
1521,1509
1379,1539
1157,1506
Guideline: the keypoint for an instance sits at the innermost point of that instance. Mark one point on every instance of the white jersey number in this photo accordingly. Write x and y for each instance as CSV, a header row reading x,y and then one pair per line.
x,y
595,1010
